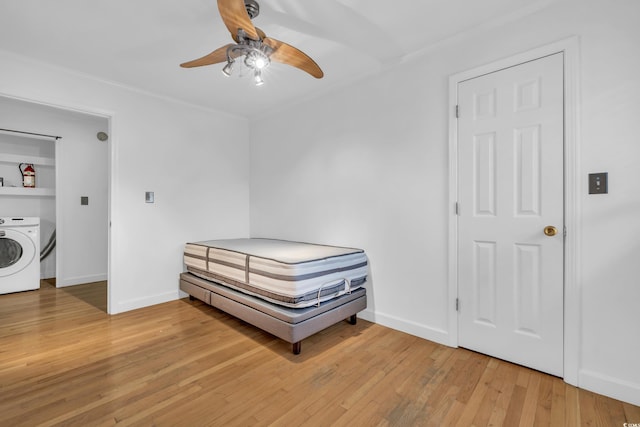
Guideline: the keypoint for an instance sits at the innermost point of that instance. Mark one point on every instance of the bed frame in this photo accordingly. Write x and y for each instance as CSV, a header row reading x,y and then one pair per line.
x,y
290,324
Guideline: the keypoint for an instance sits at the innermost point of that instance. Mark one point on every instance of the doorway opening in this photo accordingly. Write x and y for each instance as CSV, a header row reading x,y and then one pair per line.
x,y
72,196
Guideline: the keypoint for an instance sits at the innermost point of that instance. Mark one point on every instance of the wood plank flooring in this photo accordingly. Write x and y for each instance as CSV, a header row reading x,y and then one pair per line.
x,y
64,361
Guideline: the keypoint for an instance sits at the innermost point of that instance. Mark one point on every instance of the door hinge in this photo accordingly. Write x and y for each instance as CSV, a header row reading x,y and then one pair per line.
x,y
457,111
457,208
457,304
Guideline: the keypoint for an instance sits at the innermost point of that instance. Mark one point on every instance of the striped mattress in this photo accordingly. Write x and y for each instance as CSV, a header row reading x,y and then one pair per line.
x,y
291,274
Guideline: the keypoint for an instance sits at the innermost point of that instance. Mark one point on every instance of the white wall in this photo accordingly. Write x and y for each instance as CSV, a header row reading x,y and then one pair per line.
x,y
194,160
81,166
367,166
81,170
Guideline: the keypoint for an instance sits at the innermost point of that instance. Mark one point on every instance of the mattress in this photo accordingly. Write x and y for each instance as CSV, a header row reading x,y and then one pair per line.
x,y
291,274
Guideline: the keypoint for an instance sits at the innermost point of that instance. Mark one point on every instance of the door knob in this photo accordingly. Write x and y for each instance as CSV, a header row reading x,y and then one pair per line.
x,y
550,230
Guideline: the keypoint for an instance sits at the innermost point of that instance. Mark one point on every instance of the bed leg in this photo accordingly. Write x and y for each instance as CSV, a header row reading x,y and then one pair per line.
x,y
191,298
296,347
353,319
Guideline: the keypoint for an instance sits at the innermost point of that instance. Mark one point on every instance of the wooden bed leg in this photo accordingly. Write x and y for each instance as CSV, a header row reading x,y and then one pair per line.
x,y
191,298
353,319
297,347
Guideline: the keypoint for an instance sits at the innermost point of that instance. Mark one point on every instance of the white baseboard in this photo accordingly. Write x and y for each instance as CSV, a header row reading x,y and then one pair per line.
x,y
133,304
615,388
79,280
609,386
419,330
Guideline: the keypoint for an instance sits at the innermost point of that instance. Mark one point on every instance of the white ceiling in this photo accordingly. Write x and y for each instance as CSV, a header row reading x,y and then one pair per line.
x,y
140,43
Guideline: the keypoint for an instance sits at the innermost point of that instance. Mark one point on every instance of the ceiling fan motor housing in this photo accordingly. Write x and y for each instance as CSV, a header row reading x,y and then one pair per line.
x,y
253,8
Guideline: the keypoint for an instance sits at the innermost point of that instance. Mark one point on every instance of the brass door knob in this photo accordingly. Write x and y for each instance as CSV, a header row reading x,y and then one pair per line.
x,y
550,231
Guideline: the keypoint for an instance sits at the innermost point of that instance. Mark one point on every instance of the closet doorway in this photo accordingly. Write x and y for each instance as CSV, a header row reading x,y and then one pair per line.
x,y
73,196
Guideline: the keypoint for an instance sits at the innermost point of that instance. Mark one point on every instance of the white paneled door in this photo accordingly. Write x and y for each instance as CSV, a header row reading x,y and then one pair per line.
x,y
511,215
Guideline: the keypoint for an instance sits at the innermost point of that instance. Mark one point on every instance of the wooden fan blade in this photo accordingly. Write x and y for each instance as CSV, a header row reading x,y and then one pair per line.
x,y
289,55
235,16
218,55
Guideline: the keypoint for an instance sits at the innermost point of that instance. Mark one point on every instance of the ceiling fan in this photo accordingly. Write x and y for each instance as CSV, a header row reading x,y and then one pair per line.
x,y
252,43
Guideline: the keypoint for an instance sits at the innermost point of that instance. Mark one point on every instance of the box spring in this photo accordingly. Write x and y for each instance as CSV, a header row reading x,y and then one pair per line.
x,y
290,324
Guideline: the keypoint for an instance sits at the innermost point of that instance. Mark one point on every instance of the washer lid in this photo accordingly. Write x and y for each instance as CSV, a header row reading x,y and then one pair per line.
x,y
17,251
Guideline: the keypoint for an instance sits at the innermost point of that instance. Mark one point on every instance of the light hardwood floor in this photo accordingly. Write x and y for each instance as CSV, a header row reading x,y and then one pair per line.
x,y
64,361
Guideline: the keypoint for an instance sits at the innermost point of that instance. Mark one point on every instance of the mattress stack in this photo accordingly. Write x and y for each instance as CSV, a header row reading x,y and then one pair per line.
x,y
291,274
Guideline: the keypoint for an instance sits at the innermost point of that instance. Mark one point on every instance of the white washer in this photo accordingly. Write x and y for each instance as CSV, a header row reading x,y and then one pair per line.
x,y
19,254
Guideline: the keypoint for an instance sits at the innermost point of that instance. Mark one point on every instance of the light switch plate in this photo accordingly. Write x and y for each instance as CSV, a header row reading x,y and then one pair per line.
x,y
598,183
149,197
84,200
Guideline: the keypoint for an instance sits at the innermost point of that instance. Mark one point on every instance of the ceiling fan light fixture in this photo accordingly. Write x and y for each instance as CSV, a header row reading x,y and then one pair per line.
x,y
228,68
256,59
252,45
257,78
260,63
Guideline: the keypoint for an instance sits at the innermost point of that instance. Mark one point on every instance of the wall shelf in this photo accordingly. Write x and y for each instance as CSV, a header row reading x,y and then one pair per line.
x,y
19,158
27,192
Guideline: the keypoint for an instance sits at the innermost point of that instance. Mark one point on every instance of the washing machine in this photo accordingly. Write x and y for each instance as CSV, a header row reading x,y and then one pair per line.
x,y
19,254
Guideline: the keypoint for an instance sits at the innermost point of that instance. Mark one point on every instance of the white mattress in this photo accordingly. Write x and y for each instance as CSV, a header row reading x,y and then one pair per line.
x,y
292,274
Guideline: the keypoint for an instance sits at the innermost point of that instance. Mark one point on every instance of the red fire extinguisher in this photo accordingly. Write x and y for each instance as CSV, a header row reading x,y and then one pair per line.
x,y
28,175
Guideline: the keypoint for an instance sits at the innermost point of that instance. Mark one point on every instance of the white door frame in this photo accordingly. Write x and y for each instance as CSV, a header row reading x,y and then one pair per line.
x,y
572,190
111,169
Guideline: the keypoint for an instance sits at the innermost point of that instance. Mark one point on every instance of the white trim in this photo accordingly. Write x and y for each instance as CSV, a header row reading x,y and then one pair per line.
x,y
462,36
124,86
573,211
610,386
452,293
146,301
112,167
409,58
572,187
417,329
80,280
58,208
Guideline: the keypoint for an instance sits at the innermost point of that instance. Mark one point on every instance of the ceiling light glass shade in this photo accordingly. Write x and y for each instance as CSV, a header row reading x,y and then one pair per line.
x,y
260,63
228,69
258,78
256,60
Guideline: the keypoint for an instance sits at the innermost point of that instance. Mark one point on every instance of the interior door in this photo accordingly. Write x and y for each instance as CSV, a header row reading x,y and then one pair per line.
x,y
511,215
